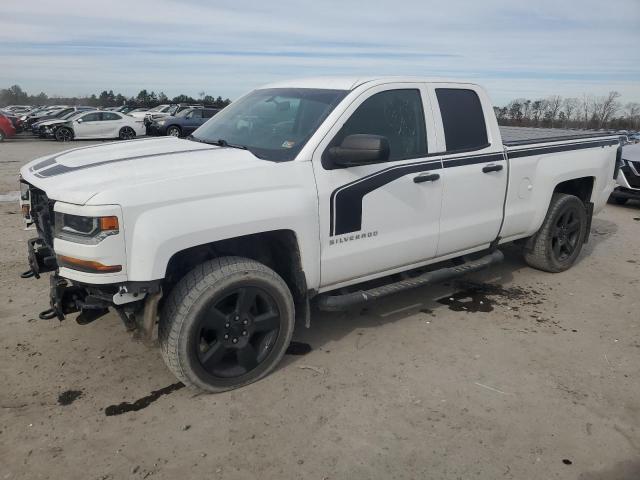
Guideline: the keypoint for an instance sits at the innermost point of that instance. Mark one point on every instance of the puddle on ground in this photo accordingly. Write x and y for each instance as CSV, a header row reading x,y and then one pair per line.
x,y
481,297
141,403
298,348
68,397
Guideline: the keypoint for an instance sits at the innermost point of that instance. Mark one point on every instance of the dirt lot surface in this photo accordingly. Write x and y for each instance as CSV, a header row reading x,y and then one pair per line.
x,y
515,374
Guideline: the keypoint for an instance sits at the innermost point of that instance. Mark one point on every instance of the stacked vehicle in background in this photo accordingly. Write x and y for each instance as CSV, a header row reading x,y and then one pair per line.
x,y
183,123
628,178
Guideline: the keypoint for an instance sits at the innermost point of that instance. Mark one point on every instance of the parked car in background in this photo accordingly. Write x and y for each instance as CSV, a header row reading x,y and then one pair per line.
x,y
100,124
27,120
628,178
43,127
64,114
13,118
7,130
172,111
183,123
141,112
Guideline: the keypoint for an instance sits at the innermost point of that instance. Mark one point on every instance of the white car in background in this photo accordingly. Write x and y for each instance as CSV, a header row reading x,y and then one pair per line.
x,y
100,124
140,113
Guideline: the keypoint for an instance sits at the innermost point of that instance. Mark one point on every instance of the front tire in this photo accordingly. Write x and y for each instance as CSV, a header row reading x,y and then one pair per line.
x,y
174,131
2,136
556,246
64,134
620,200
226,324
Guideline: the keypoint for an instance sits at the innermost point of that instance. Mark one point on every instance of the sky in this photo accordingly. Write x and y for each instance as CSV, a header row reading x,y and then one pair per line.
x,y
514,48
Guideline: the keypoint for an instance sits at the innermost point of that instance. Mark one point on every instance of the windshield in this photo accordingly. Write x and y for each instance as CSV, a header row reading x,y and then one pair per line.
x,y
273,123
159,108
70,114
183,113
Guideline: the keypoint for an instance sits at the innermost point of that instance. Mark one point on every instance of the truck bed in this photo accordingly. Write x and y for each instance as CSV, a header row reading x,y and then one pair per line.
x,y
514,136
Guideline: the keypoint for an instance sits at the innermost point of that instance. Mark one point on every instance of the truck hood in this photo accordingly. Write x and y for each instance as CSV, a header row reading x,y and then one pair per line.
x,y
78,175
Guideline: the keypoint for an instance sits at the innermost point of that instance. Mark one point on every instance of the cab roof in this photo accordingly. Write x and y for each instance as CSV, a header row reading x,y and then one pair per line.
x,y
350,83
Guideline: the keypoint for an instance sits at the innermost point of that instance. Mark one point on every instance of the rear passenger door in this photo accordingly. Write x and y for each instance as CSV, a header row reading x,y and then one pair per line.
x,y
111,123
474,178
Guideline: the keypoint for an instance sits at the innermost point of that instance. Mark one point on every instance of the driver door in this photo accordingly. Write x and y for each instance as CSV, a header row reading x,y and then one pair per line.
x,y
381,217
89,127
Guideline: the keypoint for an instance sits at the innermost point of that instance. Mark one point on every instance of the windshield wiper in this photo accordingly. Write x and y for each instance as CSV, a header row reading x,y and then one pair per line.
x,y
220,143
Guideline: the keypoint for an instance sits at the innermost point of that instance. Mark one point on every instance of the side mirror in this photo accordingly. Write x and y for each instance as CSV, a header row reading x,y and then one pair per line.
x,y
79,120
360,149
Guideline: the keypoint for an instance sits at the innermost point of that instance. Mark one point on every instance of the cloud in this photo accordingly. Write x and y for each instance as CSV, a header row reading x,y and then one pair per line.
x,y
529,49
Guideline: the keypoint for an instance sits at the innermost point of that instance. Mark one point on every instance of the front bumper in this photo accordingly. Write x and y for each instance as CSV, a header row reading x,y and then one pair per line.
x,y
154,129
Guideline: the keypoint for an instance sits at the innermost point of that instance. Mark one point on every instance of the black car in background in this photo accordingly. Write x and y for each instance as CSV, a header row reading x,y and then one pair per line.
x,y
182,123
61,115
50,115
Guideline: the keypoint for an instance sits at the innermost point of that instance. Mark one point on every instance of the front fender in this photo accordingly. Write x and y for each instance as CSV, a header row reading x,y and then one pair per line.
x,y
155,232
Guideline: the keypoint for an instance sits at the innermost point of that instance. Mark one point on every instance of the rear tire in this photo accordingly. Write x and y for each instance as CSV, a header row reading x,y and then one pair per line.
x,y
226,324
126,133
556,246
620,200
2,136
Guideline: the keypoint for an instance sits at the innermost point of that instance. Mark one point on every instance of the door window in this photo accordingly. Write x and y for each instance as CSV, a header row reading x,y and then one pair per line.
x,y
395,114
462,119
110,116
92,117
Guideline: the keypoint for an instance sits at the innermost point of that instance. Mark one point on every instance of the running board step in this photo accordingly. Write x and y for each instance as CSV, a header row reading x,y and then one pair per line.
x,y
333,303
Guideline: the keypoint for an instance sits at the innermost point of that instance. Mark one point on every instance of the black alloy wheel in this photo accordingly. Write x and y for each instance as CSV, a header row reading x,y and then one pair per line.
x,y
566,234
237,331
127,133
64,134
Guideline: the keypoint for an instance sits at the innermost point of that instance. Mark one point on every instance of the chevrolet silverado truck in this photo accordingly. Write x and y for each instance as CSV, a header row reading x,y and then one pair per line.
x,y
333,191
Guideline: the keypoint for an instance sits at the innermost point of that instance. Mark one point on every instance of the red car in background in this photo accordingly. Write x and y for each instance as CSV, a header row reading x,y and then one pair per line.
x,y
6,128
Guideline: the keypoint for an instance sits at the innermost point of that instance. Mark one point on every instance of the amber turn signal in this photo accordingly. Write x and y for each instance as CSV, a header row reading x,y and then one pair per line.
x,y
87,266
108,223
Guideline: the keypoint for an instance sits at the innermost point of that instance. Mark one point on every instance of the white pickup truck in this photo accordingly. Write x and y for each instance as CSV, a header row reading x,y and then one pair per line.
x,y
336,190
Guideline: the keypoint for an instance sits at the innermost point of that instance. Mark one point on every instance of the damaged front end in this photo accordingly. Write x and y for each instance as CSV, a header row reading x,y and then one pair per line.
x,y
135,302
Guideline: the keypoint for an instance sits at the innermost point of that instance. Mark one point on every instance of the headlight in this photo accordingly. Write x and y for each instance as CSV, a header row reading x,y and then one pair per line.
x,y
87,230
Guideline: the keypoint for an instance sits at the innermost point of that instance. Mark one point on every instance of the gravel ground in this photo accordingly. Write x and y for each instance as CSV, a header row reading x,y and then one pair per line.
x,y
514,374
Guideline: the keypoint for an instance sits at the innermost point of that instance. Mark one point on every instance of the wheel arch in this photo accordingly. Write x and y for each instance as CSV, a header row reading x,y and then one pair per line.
x,y
581,187
173,125
277,249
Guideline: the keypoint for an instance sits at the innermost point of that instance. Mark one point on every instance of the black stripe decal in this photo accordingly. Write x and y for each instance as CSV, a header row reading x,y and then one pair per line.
x,y
62,169
529,152
51,160
346,200
462,161
345,208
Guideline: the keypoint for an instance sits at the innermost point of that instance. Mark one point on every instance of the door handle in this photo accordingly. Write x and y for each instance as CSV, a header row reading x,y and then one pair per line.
x,y
491,168
426,177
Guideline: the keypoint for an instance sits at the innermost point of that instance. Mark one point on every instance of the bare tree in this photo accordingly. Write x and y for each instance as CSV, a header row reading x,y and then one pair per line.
x,y
632,113
538,108
605,107
585,109
570,106
553,105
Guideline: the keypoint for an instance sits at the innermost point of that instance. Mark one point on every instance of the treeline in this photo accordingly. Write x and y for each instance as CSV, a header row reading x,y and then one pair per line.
x,y
588,112
14,95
